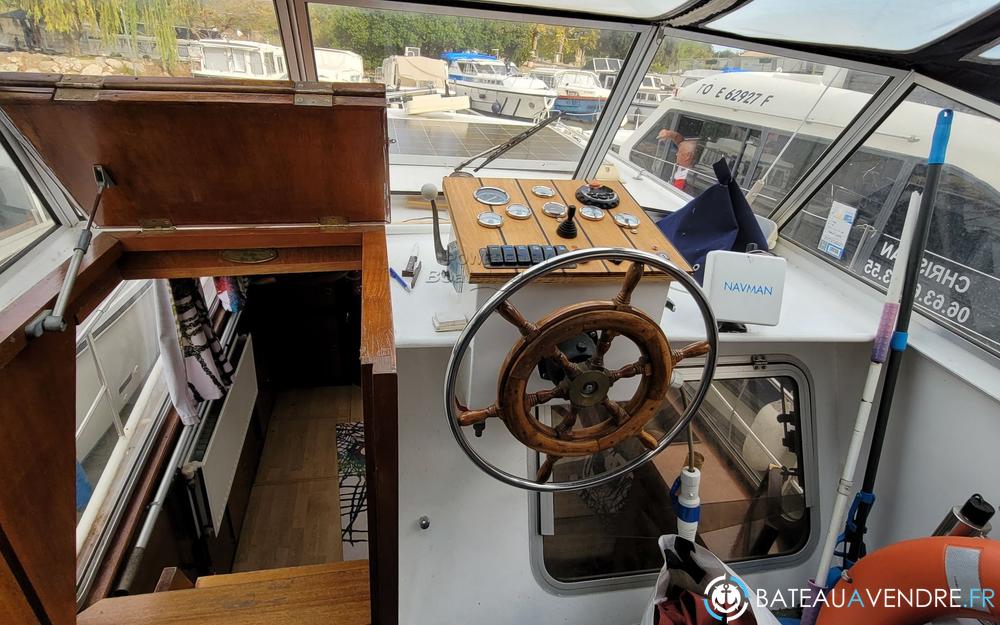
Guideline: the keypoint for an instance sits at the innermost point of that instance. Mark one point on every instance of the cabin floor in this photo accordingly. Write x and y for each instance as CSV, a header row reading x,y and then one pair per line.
x,y
308,504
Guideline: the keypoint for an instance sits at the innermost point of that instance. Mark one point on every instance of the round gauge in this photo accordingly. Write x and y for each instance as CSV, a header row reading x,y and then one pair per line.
x,y
592,213
487,219
554,209
518,211
627,220
543,191
492,196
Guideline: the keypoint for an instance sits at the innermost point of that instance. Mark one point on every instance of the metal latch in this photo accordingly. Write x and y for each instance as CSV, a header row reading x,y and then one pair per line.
x,y
78,88
759,361
331,222
313,94
156,224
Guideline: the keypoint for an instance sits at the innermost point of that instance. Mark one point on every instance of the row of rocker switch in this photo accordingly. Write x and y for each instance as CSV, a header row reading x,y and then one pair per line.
x,y
519,255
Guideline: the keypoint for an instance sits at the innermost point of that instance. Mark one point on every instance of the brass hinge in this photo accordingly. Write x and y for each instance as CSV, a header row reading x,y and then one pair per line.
x,y
332,222
78,88
313,94
156,225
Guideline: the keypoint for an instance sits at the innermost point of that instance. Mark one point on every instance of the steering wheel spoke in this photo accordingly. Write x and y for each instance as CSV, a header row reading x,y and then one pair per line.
x,y
632,277
648,440
545,471
471,417
639,367
514,316
603,345
619,413
691,350
572,369
546,395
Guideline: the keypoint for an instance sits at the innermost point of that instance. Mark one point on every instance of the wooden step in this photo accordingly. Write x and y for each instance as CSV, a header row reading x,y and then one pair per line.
x,y
229,579
324,594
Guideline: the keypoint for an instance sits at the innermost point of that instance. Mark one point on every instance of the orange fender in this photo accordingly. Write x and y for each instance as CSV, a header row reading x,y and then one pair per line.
x,y
936,564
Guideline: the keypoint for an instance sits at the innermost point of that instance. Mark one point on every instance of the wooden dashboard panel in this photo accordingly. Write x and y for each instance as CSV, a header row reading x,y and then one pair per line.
x,y
541,229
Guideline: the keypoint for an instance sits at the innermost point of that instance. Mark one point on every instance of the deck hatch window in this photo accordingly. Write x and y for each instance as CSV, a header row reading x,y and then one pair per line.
x,y
959,285
876,24
477,83
769,117
749,431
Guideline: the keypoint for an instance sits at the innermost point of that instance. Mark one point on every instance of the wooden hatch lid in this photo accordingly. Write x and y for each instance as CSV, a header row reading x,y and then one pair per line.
x,y
202,151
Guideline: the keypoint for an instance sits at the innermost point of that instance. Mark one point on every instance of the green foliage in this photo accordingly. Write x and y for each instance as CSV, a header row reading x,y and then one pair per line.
x,y
378,34
673,51
111,18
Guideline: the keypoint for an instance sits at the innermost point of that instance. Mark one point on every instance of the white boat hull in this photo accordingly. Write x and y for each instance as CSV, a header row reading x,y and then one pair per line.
x,y
499,100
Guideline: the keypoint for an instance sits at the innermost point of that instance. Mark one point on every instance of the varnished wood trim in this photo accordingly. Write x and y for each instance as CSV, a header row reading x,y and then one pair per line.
x,y
379,398
240,238
378,347
381,421
172,578
104,252
340,597
198,263
232,579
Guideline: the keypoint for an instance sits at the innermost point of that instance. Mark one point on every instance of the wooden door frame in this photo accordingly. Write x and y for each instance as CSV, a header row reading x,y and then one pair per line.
x,y
37,554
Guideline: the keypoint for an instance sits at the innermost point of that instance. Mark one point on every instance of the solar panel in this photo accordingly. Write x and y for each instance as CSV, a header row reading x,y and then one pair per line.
x,y
454,139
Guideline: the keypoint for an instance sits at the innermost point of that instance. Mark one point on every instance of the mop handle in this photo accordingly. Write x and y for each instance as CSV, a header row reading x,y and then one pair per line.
x,y
899,302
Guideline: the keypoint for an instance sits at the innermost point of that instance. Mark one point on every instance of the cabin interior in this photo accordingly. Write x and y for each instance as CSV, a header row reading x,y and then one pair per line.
x,y
258,363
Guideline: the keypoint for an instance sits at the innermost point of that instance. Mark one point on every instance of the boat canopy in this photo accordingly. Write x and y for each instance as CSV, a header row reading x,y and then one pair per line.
x,y
414,71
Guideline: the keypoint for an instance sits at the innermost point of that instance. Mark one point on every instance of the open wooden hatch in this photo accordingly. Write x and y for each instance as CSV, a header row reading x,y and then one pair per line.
x,y
210,152
208,174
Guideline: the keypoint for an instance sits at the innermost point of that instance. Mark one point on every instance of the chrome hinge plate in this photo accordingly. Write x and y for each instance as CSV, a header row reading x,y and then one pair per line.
x,y
156,225
78,88
313,99
313,94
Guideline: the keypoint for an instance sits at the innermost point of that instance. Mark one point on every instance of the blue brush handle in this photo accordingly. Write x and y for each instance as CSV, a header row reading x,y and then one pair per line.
x,y
939,143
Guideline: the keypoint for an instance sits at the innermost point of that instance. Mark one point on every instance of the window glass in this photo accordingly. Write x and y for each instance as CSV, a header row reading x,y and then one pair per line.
x,y
23,219
136,38
960,274
116,350
753,505
879,24
768,117
476,83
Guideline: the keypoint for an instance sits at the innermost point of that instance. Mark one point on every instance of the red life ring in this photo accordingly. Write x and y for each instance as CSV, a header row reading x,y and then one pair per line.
x,y
937,564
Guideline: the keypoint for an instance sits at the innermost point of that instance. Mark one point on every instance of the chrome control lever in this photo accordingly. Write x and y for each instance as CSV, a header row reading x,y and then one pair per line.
x,y
430,193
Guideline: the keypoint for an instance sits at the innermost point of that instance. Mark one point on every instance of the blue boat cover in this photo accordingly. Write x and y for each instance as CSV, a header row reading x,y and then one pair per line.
x,y
467,56
718,219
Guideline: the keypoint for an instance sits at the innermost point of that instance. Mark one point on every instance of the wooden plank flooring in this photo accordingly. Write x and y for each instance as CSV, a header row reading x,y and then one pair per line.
x,y
334,595
294,513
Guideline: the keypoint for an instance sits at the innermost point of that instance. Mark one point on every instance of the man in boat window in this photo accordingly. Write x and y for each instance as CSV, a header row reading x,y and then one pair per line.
x,y
685,155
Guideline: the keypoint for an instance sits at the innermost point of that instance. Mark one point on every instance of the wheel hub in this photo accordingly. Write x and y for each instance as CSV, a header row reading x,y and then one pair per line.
x,y
590,388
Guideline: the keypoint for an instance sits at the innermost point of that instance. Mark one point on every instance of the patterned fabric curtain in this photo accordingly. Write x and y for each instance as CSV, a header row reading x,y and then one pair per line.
x,y
195,366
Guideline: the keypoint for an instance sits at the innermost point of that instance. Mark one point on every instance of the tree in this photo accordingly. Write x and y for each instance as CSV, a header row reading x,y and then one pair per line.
x,y
109,19
376,34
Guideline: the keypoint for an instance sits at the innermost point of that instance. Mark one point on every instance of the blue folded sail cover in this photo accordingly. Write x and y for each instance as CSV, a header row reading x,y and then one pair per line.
x,y
718,219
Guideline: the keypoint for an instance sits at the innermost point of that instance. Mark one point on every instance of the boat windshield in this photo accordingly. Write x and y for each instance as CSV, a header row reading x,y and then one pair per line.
x,y
770,117
478,108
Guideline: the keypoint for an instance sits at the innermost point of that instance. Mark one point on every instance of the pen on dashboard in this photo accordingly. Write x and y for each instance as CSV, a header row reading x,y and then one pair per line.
x,y
395,276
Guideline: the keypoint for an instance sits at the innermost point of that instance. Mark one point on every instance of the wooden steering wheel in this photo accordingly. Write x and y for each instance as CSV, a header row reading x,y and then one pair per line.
x,y
582,384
